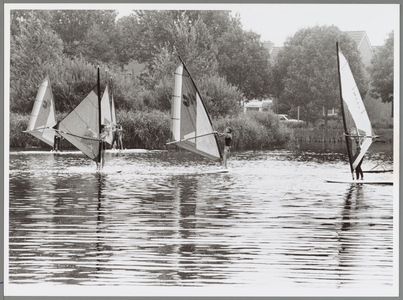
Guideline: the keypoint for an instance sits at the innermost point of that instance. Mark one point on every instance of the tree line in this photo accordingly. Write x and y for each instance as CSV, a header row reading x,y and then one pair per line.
x,y
230,65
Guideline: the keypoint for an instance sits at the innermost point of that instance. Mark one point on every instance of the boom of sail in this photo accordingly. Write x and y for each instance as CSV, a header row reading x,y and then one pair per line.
x,y
191,126
81,127
357,126
43,115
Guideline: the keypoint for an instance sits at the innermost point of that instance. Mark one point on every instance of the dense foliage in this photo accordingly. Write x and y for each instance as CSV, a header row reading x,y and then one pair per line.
x,y
305,71
381,71
69,45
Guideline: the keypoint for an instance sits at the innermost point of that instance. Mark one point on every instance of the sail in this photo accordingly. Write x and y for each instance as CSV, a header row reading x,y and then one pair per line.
x,y
106,114
191,126
81,126
357,124
113,112
43,115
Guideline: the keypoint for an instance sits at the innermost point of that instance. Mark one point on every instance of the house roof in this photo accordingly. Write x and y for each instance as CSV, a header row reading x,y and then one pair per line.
x,y
356,36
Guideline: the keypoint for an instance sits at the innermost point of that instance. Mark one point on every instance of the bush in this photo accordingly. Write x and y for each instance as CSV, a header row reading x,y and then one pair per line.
x,y
254,131
145,130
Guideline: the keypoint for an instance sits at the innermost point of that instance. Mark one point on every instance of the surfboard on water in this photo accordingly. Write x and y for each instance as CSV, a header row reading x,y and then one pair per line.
x,y
221,171
351,181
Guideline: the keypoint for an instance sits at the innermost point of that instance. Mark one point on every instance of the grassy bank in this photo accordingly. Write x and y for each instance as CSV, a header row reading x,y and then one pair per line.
x,y
151,130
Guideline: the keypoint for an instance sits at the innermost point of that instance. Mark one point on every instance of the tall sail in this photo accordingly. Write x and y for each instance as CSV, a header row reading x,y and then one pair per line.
x,y
357,125
81,126
43,115
191,126
113,112
106,114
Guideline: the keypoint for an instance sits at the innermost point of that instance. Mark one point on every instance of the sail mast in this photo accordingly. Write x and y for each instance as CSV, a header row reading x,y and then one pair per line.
x,y
343,113
99,113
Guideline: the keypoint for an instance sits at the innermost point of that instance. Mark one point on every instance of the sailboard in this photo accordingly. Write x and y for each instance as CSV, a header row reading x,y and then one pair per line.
x,y
352,181
82,126
357,126
191,126
43,115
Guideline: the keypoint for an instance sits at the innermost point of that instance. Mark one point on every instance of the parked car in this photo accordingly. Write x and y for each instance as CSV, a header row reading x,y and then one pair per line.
x,y
286,119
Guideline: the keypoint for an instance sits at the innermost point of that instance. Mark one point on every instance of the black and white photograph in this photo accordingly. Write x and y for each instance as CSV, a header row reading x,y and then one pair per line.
x,y
201,149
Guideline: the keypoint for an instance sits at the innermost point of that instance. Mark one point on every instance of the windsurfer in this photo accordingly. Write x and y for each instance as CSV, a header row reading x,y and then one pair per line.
x,y
57,138
358,170
227,144
117,134
102,140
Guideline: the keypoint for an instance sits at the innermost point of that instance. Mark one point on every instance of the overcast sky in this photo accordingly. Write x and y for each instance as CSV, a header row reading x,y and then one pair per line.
x,y
275,22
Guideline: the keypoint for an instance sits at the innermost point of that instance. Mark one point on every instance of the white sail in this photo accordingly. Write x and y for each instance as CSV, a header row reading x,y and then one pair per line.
x,y
191,126
81,126
106,114
113,112
43,115
358,125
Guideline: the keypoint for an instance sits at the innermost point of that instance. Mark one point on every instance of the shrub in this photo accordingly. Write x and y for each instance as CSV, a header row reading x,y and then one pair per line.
x,y
146,130
254,131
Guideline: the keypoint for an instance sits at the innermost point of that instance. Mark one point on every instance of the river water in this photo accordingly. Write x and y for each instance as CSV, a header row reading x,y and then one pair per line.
x,y
152,224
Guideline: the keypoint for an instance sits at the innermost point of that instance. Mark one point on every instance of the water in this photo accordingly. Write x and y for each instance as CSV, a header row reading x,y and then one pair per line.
x,y
151,219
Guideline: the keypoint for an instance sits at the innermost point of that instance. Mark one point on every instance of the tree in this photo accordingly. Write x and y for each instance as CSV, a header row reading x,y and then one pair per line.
x,y
128,46
73,25
220,97
34,49
97,46
244,61
309,61
382,73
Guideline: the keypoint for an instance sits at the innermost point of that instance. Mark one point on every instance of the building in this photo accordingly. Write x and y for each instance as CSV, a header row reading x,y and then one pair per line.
x,y
258,105
363,45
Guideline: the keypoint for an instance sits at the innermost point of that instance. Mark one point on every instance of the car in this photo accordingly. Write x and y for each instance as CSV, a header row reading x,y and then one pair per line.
x,y
285,119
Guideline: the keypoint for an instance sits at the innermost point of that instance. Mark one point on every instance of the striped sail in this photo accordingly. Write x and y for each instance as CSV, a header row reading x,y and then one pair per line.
x,y
106,114
81,126
357,123
43,115
191,126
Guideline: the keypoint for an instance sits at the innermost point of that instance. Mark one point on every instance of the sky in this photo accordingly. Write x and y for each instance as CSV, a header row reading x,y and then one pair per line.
x,y
276,22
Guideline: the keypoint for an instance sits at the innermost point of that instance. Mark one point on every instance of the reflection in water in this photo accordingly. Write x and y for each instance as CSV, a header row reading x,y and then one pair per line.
x,y
187,192
357,226
272,221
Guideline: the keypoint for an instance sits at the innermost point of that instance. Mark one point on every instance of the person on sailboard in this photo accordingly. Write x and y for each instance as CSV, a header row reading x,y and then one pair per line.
x,y
358,170
119,136
227,144
102,140
57,138
114,136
